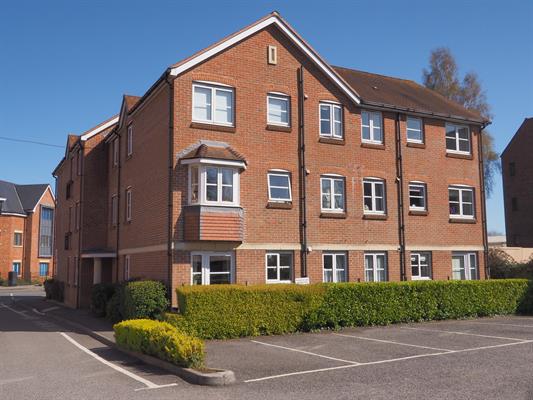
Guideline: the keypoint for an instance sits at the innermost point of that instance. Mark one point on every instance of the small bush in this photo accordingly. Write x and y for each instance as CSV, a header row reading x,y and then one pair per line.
x,y
54,289
229,311
115,306
161,340
144,299
101,293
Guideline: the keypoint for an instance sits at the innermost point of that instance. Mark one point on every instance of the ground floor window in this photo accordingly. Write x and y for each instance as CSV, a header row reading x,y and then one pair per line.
x,y
211,268
375,267
17,267
464,266
334,267
279,267
43,269
420,265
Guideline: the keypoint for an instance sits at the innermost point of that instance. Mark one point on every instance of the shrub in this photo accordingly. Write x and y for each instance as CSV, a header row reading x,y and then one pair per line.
x,y
101,293
144,299
161,340
115,306
229,311
54,289
503,266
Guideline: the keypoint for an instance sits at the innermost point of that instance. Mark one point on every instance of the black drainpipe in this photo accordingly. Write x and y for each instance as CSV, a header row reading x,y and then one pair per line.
x,y
170,183
117,258
82,191
302,172
399,184
483,210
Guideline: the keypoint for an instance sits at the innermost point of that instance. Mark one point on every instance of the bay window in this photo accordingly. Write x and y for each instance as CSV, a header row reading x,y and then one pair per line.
x,y
213,185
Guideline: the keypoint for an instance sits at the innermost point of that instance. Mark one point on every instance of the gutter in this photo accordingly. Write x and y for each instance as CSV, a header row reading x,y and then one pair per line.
x,y
82,191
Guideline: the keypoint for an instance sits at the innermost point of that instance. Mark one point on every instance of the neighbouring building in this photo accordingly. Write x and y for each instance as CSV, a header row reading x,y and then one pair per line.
x,y
255,161
517,173
26,230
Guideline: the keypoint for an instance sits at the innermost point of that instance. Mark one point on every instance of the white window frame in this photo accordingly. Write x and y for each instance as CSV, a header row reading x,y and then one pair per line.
x,y
214,87
372,127
270,186
417,255
457,139
332,178
21,239
202,185
19,262
129,200
375,256
424,198
421,130
374,182
332,107
279,266
127,265
283,97
467,256
129,151
461,189
206,272
115,152
335,269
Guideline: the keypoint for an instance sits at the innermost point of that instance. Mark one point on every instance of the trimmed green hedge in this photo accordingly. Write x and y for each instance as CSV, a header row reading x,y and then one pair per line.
x,y
144,299
161,340
229,311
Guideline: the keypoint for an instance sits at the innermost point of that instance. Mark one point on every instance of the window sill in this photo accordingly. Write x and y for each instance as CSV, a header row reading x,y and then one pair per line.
x,y
418,212
281,205
462,220
278,128
416,145
327,140
333,215
375,216
212,127
460,156
377,146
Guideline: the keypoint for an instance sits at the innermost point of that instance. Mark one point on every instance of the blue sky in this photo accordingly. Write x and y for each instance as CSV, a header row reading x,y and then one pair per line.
x,y
64,65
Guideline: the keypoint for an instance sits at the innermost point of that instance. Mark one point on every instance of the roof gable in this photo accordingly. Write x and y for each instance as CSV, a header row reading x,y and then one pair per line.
x,y
525,129
30,195
21,199
271,19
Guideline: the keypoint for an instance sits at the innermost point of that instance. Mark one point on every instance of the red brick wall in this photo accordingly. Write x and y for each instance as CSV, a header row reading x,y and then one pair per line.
x,y
8,252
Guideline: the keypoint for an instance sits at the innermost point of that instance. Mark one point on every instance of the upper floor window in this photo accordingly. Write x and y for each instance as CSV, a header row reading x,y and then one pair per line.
x,y
115,152
279,186
114,210
374,196
375,267
68,189
332,193
371,127
212,104
415,133
457,139
130,140
46,231
278,109
461,199
464,266
417,196
213,185
128,204
334,267
17,239
331,120
512,169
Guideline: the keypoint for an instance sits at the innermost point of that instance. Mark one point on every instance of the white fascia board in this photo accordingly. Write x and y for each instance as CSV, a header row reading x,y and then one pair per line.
x,y
48,188
212,161
95,131
255,28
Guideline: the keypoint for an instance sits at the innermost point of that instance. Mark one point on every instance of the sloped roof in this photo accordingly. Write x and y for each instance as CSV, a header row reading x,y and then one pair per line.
x,y
215,153
525,128
131,101
20,199
381,90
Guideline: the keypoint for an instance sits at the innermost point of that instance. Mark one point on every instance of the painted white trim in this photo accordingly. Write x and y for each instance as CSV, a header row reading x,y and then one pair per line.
x,y
407,129
279,173
99,129
278,266
99,255
334,268
420,185
206,268
13,214
332,178
457,140
213,87
42,195
371,127
283,97
443,248
256,28
332,106
373,182
212,161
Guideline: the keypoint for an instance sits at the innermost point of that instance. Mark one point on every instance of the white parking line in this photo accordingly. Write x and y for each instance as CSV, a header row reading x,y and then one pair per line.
x,y
461,333
391,342
306,352
444,353
500,324
22,313
50,309
146,382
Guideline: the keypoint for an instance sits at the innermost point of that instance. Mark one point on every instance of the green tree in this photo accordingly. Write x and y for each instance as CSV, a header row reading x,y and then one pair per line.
x,y
442,76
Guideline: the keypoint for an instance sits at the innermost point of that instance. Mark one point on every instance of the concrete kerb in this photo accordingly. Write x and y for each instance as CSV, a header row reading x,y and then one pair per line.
x,y
214,377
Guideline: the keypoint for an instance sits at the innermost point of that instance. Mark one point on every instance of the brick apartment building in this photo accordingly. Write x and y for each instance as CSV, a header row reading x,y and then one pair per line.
x,y
517,172
26,230
255,161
